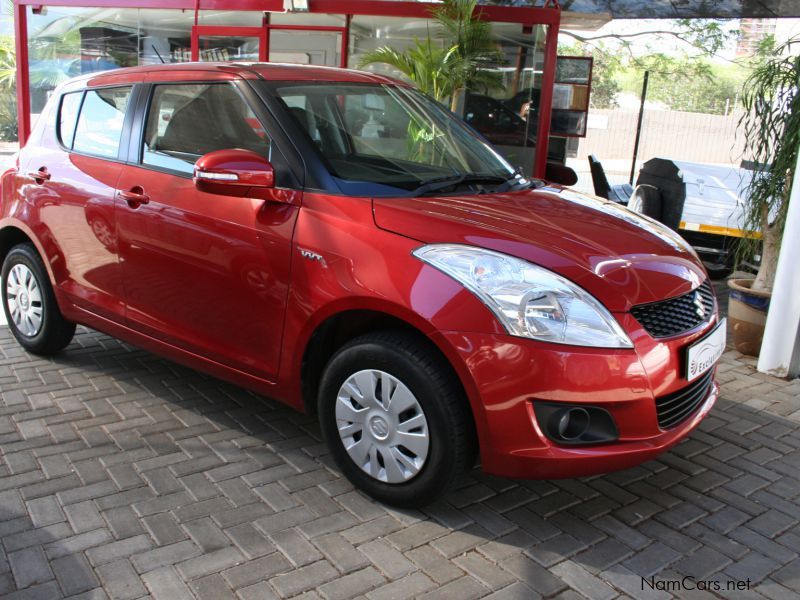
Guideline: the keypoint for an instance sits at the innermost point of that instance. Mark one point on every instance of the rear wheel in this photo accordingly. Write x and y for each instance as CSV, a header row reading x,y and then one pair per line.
x,y
30,305
395,418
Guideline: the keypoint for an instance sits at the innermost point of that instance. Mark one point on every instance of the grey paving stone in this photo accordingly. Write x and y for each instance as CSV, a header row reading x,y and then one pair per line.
x,y
304,578
164,556
652,559
341,553
205,533
120,549
165,584
410,586
211,587
84,516
703,563
29,567
74,574
164,529
489,574
351,585
120,580
295,547
465,587
389,561
45,511
210,562
141,478
123,522
434,565
580,579
259,569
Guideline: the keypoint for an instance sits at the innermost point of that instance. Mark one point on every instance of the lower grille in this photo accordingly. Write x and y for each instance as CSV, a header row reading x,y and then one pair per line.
x,y
677,406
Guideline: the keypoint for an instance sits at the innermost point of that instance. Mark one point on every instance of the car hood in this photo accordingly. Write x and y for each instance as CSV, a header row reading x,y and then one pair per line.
x,y
619,256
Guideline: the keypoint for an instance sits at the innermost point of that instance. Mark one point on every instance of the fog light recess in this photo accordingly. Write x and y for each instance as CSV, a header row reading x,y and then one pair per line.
x,y
571,424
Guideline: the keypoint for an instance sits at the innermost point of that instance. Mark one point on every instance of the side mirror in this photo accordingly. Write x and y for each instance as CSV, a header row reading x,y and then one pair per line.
x,y
562,174
234,172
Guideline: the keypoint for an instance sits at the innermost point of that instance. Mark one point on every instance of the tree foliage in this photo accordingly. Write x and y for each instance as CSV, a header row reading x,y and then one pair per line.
x,y
703,87
770,128
683,78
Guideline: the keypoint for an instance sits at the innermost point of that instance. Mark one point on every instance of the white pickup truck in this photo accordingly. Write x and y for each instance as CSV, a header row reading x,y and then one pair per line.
x,y
701,202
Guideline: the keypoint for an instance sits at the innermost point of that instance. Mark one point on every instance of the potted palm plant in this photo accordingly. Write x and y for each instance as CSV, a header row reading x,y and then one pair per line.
x,y
770,127
458,61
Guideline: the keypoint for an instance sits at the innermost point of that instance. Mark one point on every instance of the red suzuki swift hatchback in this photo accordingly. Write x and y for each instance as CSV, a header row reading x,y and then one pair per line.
x,y
339,241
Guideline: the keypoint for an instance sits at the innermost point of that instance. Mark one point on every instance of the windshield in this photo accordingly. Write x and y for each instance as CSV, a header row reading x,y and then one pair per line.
x,y
393,137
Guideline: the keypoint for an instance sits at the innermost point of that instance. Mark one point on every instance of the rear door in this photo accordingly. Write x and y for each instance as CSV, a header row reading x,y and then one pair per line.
x,y
203,272
70,179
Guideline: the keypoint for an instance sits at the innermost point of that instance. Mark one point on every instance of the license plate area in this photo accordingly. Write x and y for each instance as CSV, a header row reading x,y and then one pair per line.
x,y
702,355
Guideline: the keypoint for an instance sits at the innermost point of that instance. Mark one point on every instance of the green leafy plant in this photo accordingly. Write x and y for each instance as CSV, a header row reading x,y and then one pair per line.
x,y
8,117
471,49
770,127
8,90
424,63
458,61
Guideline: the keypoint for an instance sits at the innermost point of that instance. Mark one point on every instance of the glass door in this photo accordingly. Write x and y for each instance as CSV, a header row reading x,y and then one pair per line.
x,y
222,44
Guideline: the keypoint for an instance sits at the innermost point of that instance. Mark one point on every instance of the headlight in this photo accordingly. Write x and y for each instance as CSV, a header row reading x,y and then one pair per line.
x,y
529,301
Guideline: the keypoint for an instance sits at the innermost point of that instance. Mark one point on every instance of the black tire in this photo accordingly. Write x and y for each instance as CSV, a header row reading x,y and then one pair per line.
x,y
55,332
452,438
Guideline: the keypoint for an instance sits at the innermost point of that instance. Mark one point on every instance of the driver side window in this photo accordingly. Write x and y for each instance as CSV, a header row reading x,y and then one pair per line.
x,y
186,121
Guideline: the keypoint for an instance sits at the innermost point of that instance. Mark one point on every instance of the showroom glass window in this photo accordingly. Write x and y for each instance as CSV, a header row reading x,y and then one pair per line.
x,y
65,42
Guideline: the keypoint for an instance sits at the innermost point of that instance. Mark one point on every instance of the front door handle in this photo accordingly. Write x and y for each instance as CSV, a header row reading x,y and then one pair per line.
x,y
40,176
135,197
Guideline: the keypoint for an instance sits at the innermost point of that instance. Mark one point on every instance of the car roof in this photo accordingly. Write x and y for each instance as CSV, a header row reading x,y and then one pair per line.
x,y
227,70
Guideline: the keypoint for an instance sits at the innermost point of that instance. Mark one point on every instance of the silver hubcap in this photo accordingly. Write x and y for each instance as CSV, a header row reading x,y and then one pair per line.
x,y
24,300
382,426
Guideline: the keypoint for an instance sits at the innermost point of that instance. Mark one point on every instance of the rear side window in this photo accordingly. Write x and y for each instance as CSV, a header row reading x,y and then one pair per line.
x,y
100,122
67,115
188,120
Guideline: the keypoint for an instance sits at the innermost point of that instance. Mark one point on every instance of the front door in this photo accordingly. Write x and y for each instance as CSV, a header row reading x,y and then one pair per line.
x,y
203,272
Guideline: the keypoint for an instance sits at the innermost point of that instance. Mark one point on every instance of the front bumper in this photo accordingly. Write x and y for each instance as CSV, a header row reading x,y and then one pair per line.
x,y
505,376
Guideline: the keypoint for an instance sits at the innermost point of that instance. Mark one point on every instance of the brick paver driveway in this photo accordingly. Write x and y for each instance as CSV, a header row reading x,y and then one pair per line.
x,y
124,475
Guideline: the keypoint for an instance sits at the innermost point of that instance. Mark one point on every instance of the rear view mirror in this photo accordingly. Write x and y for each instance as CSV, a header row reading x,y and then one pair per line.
x,y
233,172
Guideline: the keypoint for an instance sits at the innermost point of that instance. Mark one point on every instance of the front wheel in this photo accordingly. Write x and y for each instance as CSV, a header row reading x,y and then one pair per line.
x,y
30,305
395,419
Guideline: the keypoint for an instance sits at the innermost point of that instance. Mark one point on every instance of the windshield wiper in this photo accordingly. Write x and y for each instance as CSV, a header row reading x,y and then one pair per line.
x,y
442,183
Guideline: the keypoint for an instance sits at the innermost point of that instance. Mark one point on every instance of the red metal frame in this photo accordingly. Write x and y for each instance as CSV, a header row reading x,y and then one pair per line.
x,y
546,101
549,15
23,80
199,31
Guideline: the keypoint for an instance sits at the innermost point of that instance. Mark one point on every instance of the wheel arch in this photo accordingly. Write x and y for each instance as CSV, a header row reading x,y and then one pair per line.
x,y
339,327
15,233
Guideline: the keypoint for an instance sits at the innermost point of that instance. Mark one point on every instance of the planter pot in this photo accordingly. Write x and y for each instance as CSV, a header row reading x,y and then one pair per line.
x,y
747,314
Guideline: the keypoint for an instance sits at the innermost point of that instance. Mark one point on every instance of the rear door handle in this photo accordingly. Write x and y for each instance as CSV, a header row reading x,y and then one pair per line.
x,y
40,176
135,197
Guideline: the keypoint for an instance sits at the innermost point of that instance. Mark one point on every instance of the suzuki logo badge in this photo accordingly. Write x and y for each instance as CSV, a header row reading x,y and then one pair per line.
x,y
700,307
